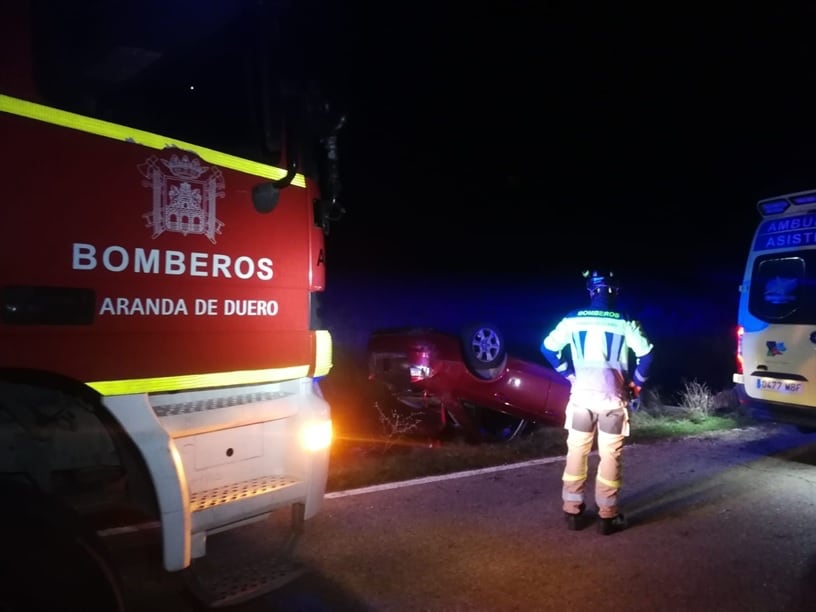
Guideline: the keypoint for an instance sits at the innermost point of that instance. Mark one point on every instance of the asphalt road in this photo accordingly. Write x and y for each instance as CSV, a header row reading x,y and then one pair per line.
x,y
718,522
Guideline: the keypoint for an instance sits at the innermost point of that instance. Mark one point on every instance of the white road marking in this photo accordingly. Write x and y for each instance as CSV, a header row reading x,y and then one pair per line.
x,y
418,481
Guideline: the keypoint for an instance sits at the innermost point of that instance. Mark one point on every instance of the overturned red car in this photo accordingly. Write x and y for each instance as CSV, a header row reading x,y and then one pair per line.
x,y
465,382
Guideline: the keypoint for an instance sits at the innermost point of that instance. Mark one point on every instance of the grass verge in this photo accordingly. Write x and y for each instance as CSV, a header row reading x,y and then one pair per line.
x,y
360,463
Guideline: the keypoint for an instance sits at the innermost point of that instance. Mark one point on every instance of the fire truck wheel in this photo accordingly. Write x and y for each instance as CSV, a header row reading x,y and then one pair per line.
x,y
49,561
484,350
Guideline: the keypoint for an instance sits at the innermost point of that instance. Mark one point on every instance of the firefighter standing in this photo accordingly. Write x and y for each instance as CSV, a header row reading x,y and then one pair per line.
x,y
599,339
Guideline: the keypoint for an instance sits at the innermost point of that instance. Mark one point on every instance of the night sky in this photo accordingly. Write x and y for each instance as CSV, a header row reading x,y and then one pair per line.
x,y
495,149
544,137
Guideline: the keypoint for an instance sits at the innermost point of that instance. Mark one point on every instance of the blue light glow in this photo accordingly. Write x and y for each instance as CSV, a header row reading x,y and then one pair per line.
x,y
808,198
773,207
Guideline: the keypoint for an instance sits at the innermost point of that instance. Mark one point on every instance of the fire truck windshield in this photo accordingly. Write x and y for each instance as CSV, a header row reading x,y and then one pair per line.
x,y
203,73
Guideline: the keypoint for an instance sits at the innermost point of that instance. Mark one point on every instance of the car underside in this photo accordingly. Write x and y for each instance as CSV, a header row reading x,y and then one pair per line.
x,y
464,383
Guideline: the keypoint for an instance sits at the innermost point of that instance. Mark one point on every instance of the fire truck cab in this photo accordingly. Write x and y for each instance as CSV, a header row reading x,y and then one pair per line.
x,y
167,182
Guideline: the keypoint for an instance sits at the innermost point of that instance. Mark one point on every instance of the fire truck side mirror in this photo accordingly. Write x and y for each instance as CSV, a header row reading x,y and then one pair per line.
x,y
265,197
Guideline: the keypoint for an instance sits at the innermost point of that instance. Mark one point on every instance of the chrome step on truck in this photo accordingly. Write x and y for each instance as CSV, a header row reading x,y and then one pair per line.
x,y
232,575
217,478
219,458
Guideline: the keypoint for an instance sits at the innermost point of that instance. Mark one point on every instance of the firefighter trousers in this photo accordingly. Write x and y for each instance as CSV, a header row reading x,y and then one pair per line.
x,y
611,428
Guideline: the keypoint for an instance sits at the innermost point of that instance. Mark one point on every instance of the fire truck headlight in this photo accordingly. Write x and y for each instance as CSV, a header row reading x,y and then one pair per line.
x,y
316,435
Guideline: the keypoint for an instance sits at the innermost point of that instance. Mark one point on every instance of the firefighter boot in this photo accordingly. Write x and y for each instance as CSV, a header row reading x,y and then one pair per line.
x,y
608,526
576,522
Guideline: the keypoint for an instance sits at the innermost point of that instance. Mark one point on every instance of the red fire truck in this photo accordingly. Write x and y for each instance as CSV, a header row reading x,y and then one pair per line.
x,y
167,182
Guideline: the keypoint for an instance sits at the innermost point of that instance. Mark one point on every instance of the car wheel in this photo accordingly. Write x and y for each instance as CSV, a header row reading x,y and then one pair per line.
x,y
494,426
483,350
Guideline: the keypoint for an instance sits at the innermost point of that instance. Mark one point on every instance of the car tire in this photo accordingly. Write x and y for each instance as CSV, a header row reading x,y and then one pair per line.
x,y
483,350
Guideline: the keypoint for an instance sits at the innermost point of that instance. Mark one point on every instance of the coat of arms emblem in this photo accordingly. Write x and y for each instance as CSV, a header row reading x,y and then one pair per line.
x,y
184,195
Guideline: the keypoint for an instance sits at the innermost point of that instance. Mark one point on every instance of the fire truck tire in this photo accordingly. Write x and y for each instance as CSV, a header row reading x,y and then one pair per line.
x,y
50,561
483,350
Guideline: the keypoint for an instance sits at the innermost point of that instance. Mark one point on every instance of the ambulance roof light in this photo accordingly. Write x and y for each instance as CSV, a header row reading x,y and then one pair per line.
x,y
780,204
772,207
805,198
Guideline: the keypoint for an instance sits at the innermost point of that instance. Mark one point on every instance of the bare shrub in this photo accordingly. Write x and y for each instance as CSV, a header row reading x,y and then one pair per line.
x,y
696,400
651,402
396,425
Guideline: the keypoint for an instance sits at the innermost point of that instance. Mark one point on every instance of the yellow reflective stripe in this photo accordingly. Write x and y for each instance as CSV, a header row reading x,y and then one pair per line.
x,y
573,477
55,116
323,352
615,484
197,381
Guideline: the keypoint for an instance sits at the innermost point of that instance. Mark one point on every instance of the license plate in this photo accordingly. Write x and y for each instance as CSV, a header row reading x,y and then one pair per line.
x,y
780,386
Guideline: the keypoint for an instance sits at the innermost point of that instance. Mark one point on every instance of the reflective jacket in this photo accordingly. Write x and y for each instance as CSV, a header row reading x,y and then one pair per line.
x,y
599,342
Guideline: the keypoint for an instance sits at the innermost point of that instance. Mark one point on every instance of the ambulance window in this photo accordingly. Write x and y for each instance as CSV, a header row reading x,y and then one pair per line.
x,y
783,288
